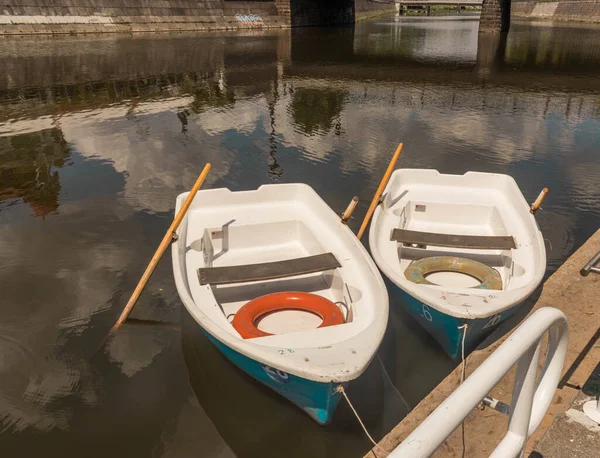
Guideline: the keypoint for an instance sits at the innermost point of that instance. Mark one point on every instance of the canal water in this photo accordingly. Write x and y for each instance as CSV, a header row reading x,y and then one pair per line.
x,y
99,134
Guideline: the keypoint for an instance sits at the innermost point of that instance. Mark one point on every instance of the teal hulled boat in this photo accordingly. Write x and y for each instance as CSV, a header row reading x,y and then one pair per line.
x,y
462,251
283,289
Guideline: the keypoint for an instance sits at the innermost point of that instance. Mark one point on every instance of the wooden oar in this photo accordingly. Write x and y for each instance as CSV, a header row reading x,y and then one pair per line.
x,y
166,241
379,192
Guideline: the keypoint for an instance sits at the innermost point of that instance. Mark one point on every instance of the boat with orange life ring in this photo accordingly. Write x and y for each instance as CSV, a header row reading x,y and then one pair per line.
x,y
283,288
464,251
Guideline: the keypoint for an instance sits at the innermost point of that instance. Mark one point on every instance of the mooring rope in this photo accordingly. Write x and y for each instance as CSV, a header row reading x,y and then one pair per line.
x,y
462,352
408,409
462,379
340,389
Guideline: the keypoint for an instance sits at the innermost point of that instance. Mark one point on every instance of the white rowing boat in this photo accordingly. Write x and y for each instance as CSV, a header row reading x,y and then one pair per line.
x,y
464,251
243,264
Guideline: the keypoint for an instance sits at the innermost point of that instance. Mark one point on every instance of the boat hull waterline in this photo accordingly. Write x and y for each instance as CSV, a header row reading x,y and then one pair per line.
x,y
318,400
448,330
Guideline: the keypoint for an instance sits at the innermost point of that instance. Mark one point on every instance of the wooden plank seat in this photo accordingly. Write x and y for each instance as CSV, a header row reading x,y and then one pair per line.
x,y
267,270
478,242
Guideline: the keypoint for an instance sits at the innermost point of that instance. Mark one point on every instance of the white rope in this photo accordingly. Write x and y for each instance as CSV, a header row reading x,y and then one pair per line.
x,y
462,379
340,389
462,352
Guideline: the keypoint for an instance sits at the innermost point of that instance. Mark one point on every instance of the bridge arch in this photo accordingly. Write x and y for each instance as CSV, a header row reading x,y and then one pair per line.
x,y
330,12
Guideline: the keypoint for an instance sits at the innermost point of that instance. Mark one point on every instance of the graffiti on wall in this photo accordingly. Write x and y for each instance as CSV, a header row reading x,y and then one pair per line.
x,y
250,20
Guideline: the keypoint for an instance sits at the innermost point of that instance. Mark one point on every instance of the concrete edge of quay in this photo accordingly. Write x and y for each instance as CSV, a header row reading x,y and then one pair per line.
x,y
577,298
364,16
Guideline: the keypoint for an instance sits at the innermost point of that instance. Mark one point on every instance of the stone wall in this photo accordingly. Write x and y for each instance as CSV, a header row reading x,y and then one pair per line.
x,y
20,17
73,16
567,10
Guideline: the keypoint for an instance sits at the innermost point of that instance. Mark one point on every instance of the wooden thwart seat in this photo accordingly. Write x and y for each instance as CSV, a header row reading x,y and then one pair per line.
x,y
480,242
267,270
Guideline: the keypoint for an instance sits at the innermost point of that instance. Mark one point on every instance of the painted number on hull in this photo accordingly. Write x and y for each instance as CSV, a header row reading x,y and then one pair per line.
x,y
493,321
425,313
276,375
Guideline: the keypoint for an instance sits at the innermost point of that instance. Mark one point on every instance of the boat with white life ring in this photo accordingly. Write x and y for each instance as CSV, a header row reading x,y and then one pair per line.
x,y
283,289
463,251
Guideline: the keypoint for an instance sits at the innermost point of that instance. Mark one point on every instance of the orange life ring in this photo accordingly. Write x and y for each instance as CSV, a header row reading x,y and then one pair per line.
x,y
246,317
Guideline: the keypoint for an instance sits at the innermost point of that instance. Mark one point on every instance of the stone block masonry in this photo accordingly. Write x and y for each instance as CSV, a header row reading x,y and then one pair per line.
x,y
84,16
365,9
567,10
19,17
495,16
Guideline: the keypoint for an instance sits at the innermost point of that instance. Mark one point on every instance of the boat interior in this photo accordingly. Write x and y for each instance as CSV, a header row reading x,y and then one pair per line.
x,y
470,223
477,221
243,261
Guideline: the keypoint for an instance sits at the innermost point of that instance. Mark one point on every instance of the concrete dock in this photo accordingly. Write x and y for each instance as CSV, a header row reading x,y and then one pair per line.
x,y
579,299
572,433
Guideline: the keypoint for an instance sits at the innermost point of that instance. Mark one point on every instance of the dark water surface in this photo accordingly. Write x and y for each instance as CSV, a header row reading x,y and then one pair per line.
x,y
99,134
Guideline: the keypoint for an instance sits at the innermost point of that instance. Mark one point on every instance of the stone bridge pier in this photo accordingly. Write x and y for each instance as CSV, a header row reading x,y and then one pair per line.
x,y
495,16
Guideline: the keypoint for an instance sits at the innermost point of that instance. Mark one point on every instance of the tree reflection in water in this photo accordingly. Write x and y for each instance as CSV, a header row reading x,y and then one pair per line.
x,y
28,165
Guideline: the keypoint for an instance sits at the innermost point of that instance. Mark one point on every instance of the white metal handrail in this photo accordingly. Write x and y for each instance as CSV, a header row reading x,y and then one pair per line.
x,y
530,400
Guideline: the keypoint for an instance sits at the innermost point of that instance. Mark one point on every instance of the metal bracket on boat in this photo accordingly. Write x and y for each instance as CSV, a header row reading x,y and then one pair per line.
x,y
498,406
348,213
591,266
174,237
538,202
207,249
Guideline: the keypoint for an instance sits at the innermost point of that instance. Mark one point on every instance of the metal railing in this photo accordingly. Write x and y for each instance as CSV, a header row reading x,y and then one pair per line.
x,y
591,266
592,408
531,397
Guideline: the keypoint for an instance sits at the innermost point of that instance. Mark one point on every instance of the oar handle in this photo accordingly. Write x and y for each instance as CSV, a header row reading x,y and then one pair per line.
x,y
379,192
166,241
538,202
351,206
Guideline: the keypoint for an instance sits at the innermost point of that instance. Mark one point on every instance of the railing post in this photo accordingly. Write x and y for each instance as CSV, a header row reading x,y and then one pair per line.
x,y
514,442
